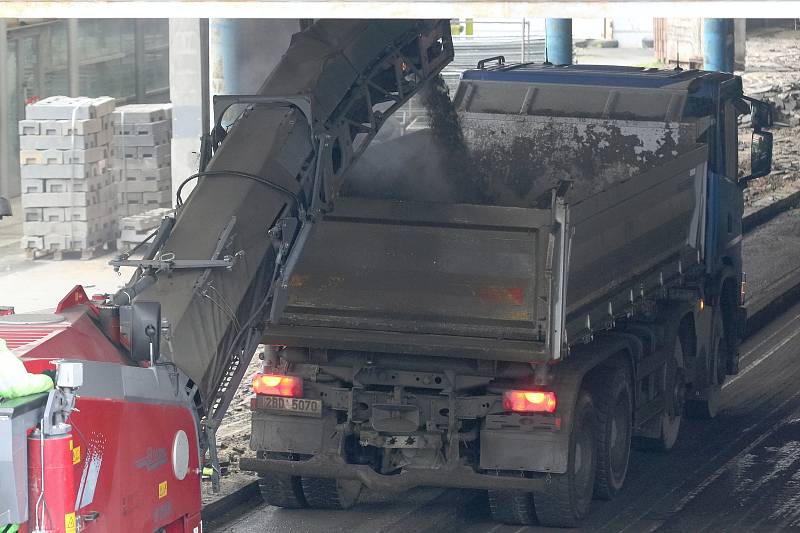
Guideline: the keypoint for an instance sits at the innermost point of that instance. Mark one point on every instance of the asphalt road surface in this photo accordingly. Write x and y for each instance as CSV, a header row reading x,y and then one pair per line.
x,y
738,472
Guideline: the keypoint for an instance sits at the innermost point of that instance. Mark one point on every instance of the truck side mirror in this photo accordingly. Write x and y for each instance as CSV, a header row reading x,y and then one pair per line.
x,y
5,208
760,156
761,115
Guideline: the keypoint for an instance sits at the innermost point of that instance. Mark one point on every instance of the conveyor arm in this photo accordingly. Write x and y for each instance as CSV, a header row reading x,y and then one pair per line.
x,y
312,118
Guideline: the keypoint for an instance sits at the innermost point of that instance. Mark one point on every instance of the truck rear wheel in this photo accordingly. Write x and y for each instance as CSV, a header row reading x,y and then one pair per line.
x,y
567,497
512,507
612,400
328,493
282,490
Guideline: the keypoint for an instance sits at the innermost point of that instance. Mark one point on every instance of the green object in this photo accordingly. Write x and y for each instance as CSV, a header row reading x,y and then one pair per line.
x,y
208,471
15,380
11,528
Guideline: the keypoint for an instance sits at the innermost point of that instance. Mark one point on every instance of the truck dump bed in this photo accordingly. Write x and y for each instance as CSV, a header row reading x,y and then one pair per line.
x,y
391,271
417,277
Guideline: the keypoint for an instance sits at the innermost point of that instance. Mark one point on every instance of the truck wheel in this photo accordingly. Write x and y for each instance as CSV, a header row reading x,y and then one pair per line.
x,y
674,401
567,497
612,400
282,490
328,493
512,507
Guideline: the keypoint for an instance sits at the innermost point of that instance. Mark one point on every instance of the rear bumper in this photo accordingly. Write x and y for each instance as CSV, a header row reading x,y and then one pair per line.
x,y
453,477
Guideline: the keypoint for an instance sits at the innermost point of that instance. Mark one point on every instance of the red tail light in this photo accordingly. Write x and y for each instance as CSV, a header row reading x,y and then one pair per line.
x,y
278,385
6,311
523,401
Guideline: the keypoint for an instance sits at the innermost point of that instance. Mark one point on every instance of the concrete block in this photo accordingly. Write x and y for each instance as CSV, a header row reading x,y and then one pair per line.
x,y
158,199
86,213
32,242
29,127
64,199
152,174
146,221
136,186
134,163
155,152
41,157
72,157
84,171
139,113
32,185
58,142
32,214
66,108
142,139
91,184
143,128
77,127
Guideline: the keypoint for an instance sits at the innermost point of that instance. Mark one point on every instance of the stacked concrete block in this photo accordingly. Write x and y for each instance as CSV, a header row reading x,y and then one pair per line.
x,y
135,229
141,157
68,191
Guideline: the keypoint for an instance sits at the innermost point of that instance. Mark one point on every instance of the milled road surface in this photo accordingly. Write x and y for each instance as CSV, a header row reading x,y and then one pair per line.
x,y
738,472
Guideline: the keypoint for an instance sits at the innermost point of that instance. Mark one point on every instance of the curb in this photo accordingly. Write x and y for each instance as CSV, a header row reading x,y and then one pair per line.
x,y
767,213
787,294
246,494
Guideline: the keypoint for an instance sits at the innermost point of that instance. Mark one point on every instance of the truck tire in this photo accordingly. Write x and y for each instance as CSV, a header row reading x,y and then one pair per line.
x,y
328,493
613,402
707,406
567,497
674,402
512,507
282,490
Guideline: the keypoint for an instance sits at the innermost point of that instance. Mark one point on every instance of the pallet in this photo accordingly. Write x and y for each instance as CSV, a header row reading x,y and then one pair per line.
x,y
84,254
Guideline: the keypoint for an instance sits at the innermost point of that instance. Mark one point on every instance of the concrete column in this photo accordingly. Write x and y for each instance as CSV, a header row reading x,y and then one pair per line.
x,y
244,52
140,59
718,45
558,40
5,187
73,59
185,90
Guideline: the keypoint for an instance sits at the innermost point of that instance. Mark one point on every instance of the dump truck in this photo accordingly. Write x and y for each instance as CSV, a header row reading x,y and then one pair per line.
x,y
513,319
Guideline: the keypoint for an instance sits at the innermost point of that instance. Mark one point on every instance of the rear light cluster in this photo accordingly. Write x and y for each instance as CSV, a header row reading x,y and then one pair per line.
x,y
278,385
523,401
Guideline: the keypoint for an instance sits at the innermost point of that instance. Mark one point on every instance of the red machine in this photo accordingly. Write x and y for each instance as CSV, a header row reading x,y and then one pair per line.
x,y
114,447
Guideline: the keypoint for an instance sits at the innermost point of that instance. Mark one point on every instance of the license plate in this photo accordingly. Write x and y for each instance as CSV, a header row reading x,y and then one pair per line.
x,y
295,406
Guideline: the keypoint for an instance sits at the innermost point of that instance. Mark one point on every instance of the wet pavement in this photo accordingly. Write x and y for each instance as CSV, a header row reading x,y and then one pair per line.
x,y
738,472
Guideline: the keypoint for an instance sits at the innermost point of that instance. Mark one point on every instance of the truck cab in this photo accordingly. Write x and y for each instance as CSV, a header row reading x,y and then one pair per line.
x,y
508,300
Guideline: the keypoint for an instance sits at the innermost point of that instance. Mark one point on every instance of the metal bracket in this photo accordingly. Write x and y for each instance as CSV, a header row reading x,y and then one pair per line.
x,y
299,235
167,263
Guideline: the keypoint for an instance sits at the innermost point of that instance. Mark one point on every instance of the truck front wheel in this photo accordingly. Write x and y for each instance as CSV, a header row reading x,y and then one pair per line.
x,y
567,497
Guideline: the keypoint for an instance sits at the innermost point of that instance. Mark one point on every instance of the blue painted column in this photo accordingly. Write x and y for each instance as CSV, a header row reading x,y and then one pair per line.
x,y
718,50
558,39
227,36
